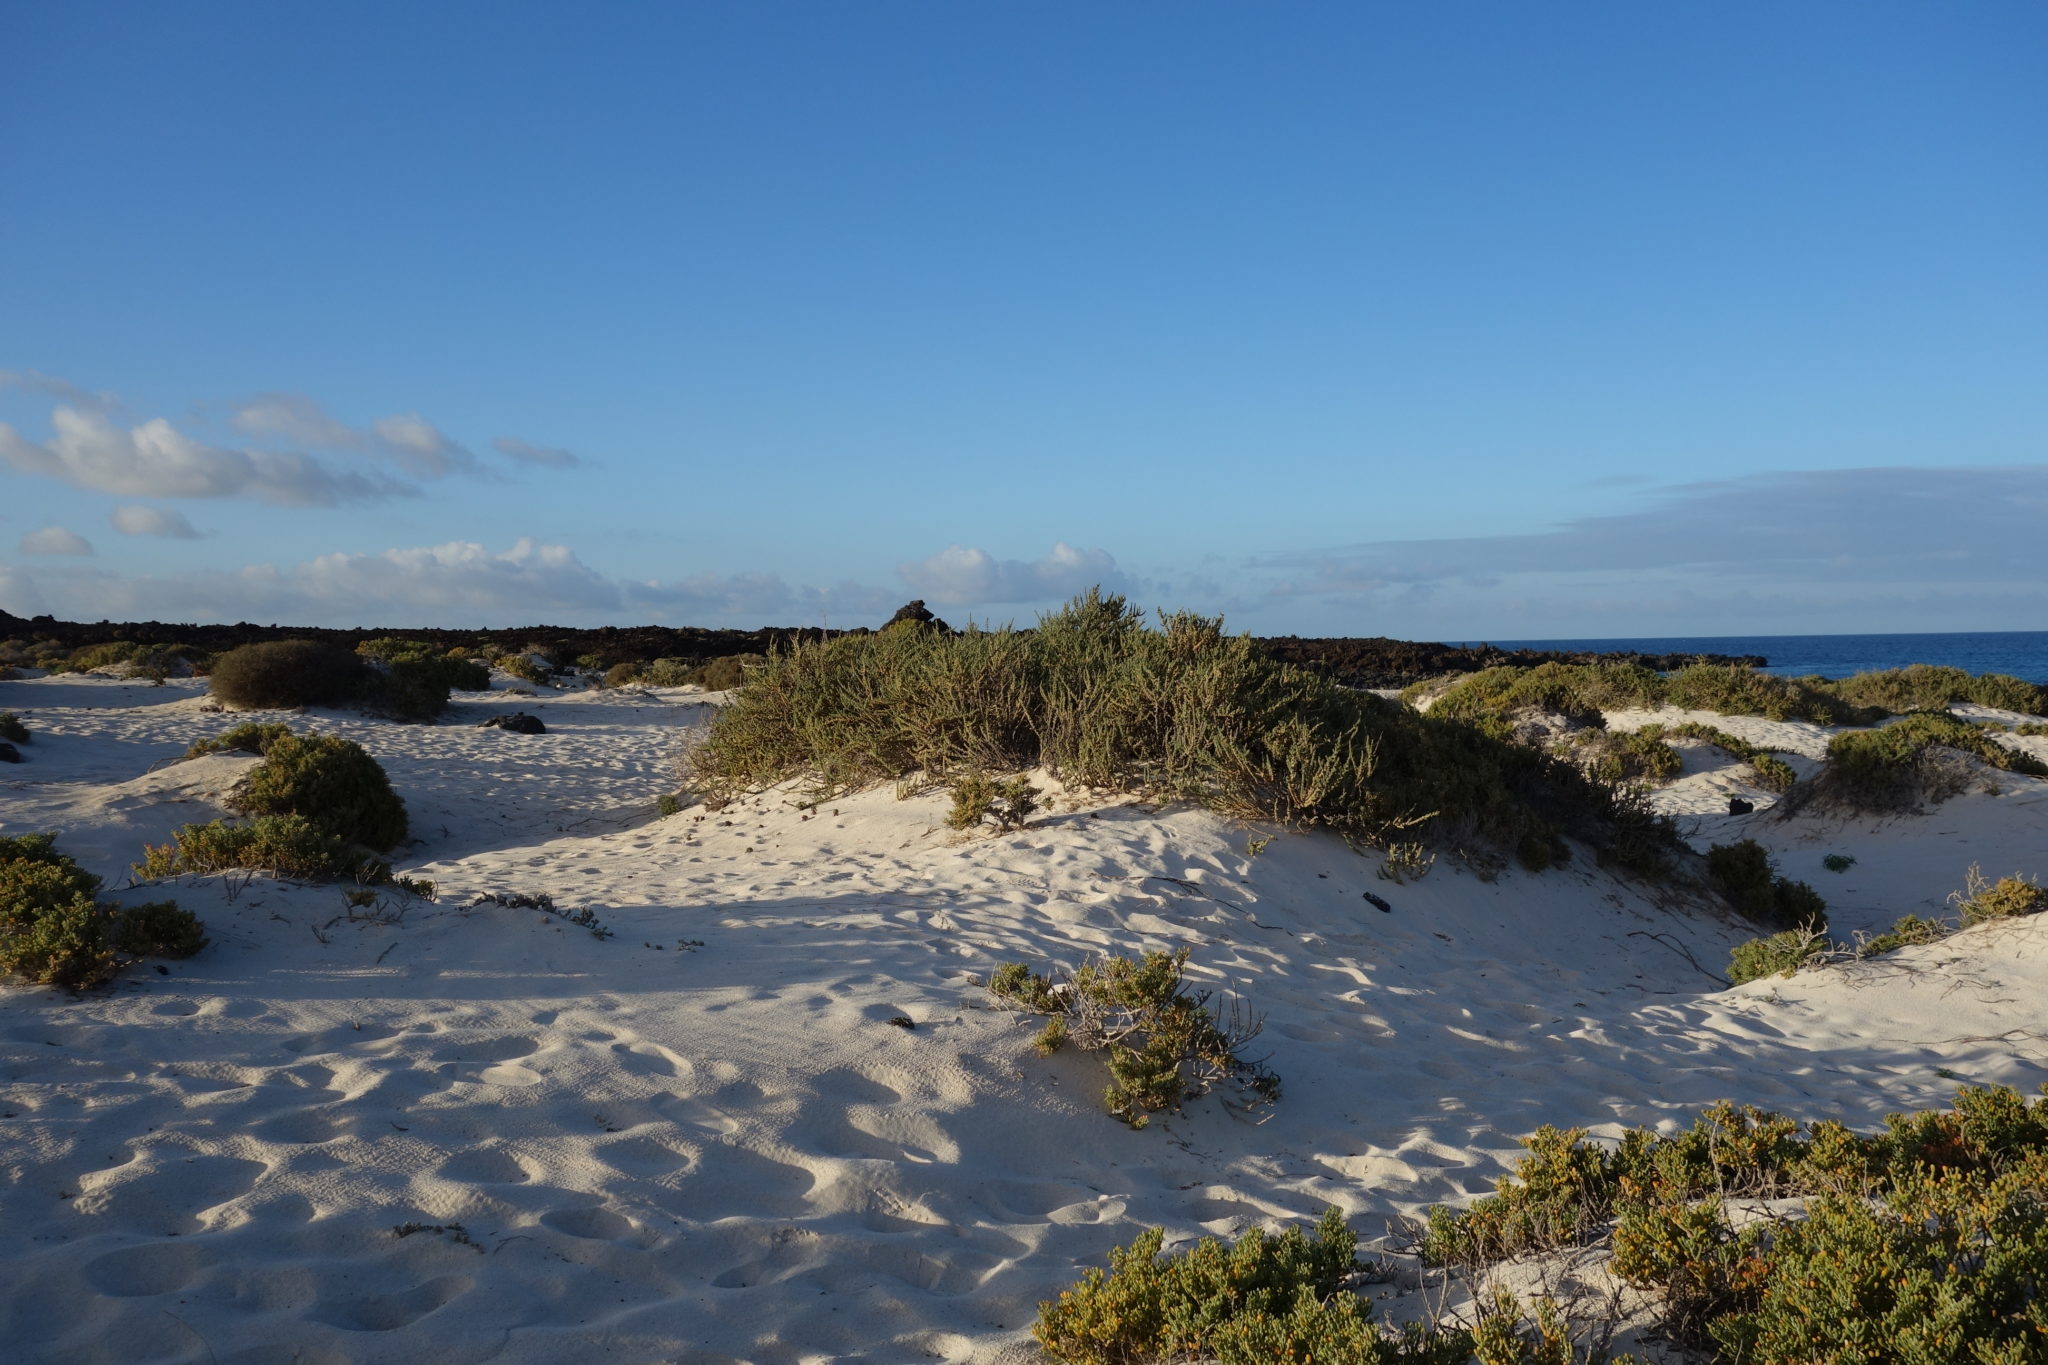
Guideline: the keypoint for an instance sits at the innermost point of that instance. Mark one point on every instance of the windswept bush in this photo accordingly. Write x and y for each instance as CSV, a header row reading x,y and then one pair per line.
x,y
332,782
1906,931
1915,758
53,932
2008,898
1182,712
1163,1044
281,845
11,728
1585,690
1927,687
1779,954
286,674
526,667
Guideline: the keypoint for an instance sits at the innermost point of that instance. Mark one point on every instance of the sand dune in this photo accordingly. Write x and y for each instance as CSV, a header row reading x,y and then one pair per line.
x,y
703,1139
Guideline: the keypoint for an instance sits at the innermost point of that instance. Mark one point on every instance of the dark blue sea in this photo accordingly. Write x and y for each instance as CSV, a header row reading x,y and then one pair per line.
x,y
2022,653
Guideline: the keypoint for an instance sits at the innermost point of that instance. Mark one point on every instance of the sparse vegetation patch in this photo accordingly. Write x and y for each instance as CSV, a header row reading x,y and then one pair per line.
x,y
1162,1043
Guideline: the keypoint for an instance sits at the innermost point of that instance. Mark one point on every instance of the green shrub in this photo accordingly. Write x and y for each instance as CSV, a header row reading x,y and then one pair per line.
x,y
1905,931
622,674
1838,862
2008,898
1150,1307
1732,690
1897,766
1742,872
1779,954
1182,712
2034,728
250,737
286,674
1161,1042
12,729
158,929
1926,687
101,657
524,666
668,805
332,782
42,849
1009,802
1639,756
281,845
51,932
1923,1243
726,672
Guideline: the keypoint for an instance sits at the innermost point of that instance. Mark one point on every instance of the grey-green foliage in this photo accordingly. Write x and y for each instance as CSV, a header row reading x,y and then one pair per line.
x,y
1181,711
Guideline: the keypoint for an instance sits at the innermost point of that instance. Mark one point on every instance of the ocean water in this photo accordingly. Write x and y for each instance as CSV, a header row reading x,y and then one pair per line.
x,y
2022,653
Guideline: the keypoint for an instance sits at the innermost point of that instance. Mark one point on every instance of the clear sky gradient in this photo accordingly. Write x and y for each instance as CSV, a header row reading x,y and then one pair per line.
x,y
1442,321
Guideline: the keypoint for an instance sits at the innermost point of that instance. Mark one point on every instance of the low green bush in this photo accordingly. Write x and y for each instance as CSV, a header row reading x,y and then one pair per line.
x,y
1897,766
1906,931
526,667
1639,756
2008,898
101,657
285,674
1779,954
332,782
1195,1305
1923,1243
1838,862
622,674
1927,687
666,673
12,729
1009,802
1743,872
53,932
726,672
282,845
1161,1041
158,929
250,737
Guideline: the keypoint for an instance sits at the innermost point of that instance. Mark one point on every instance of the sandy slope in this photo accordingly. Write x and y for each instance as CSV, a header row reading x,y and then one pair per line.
x,y
701,1139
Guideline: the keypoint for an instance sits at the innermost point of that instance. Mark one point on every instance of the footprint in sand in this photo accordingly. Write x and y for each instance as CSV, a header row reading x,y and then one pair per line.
x,y
484,1166
136,1272
389,1312
597,1225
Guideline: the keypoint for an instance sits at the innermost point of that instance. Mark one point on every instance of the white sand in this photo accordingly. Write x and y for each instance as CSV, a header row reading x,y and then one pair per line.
x,y
664,1151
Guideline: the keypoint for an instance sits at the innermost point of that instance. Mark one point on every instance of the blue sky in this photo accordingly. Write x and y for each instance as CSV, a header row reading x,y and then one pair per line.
x,y
1441,321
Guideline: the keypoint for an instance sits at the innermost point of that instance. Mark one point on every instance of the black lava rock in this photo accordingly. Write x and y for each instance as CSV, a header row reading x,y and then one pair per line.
x,y
1738,806
519,723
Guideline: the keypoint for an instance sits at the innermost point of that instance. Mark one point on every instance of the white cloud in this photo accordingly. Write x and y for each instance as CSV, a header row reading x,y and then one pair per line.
x,y
55,540
152,521
553,457
155,460
407,439
960,576
460,580
33,381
